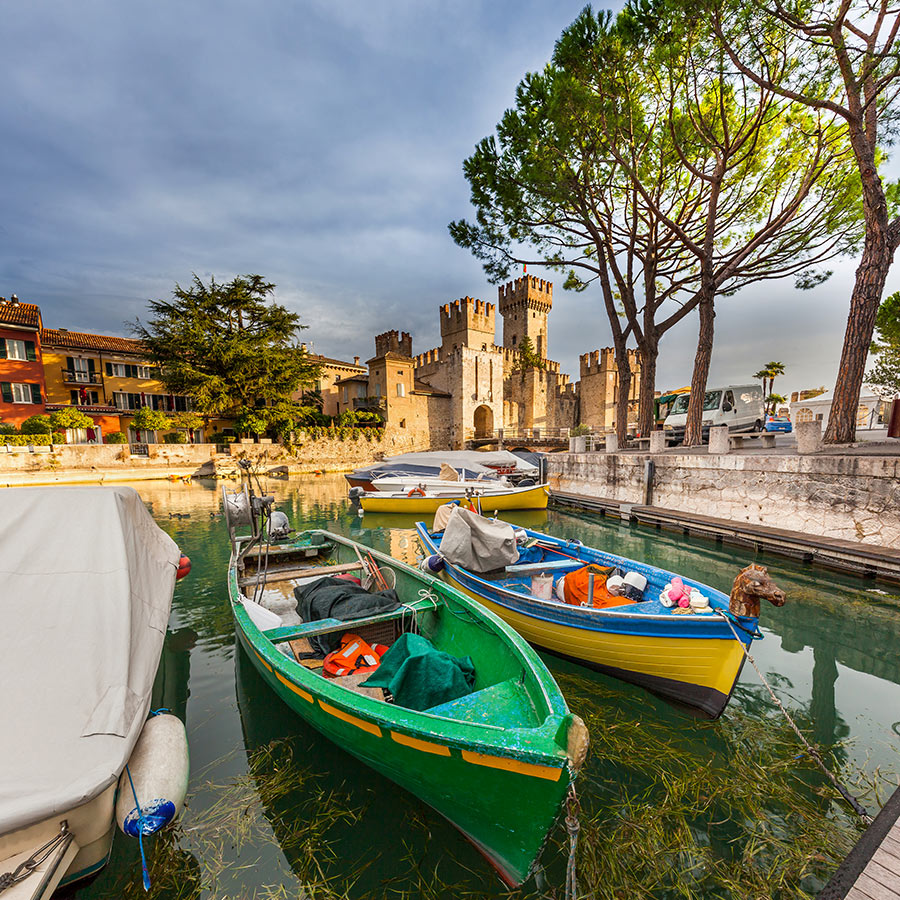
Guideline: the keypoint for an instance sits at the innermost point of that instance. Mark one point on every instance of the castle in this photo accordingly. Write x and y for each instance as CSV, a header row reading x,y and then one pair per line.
x,y
469,386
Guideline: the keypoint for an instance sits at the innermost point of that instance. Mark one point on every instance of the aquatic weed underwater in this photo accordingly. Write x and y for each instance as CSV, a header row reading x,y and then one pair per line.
x,y
731,808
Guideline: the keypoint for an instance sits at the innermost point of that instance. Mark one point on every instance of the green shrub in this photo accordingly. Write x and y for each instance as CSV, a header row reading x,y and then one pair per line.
x,y
175,437
7,428
59,437
36,425
217,437
23,440
579,430
70,417
116,437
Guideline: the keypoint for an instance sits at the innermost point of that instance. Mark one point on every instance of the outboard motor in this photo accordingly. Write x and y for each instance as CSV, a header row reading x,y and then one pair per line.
x,y
279,527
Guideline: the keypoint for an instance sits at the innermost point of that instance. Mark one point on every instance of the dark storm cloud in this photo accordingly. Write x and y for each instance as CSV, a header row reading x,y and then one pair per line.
x,y
317,143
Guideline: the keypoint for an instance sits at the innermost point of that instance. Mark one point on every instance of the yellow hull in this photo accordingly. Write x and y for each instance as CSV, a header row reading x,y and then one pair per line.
x,y
700,672
529,498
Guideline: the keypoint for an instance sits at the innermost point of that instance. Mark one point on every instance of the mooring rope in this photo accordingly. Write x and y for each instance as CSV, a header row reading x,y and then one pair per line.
x,y
573,826
858,808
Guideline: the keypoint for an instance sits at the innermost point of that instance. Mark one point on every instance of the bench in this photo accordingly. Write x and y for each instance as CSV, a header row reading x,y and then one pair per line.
x,y
327,626
290,574
766,439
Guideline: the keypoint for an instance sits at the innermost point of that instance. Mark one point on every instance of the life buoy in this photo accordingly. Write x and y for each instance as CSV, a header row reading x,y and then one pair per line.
x,y
184,566
416,491
354,655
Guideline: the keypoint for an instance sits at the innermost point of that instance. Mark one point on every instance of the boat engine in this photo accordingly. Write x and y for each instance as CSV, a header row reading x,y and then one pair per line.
x,y
279,527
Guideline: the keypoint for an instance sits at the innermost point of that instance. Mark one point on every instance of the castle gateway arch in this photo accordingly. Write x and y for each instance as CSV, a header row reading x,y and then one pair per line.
x,y
484,421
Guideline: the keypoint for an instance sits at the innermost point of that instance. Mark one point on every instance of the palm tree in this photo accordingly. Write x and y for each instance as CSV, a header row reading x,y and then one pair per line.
x,y
767,374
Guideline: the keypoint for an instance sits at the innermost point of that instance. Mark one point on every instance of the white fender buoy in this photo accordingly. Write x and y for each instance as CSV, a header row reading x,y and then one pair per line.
x,y
159,768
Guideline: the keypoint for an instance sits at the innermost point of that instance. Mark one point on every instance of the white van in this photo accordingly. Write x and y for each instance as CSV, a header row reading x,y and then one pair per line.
x,y
739,406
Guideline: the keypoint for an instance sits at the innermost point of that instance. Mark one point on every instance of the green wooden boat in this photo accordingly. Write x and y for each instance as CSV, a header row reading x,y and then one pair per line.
x,y
496,763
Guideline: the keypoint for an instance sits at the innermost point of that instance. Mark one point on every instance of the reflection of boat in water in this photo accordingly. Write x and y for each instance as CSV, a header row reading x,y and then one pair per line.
x,y
509,735
88,583
523,518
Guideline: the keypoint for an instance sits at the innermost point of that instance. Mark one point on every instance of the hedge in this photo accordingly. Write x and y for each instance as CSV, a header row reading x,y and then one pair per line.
x,y
36,440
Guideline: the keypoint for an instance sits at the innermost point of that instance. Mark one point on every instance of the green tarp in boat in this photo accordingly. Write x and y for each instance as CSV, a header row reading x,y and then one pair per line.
x,y
419,676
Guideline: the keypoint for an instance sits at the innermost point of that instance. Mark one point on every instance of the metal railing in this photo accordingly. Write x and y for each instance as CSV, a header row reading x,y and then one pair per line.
x,y
75,376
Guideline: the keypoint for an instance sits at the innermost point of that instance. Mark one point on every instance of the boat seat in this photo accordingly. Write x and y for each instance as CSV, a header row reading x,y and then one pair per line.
x,y
327,626
506,703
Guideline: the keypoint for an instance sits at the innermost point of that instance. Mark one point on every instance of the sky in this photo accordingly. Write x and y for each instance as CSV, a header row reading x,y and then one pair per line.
x,y
318,143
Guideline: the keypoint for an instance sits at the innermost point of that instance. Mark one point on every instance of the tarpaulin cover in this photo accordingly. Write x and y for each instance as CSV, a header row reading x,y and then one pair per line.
x,y
337,598
458,458
477,543
419,676
87,580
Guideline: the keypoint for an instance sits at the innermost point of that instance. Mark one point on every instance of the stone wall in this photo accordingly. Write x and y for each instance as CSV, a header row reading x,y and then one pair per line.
x,y
310,456
854,498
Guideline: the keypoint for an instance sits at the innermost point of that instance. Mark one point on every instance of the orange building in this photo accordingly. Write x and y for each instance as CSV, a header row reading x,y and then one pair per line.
x,y
22,388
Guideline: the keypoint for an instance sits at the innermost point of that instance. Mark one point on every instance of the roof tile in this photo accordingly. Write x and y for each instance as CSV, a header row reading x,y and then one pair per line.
x,y
77,340
20,314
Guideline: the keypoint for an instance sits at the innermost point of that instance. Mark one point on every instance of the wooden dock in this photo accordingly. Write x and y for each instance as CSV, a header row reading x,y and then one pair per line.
x,y
871,560
871,871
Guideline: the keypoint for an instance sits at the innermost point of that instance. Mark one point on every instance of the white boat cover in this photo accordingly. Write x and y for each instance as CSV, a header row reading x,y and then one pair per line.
x,y
477,543
87,580
468,458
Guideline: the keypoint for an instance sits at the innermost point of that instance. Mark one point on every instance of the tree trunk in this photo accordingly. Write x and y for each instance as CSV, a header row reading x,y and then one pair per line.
x,y
878,254
693,431
646,414
623,368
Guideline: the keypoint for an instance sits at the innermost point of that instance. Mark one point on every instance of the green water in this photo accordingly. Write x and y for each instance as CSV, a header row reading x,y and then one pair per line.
x,y
672,806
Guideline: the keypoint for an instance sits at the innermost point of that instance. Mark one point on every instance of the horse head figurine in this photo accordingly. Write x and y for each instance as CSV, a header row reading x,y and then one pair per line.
x,y
750,586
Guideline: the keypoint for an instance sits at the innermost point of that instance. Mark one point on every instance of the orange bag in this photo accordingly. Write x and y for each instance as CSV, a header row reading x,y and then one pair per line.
x,y
575,588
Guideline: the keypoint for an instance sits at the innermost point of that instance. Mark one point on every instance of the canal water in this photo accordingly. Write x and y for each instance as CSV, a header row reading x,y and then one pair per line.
x,y
671,805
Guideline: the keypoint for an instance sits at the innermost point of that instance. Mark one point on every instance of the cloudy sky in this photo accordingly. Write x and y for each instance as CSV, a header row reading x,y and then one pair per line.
x,y
316,142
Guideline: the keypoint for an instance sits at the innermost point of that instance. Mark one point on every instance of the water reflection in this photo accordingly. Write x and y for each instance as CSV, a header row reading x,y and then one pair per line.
x,y
672,806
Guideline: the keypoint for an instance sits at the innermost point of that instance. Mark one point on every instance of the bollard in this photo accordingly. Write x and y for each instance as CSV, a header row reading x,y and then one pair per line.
x,y
612,443
718,439
580,444
657,441
809,436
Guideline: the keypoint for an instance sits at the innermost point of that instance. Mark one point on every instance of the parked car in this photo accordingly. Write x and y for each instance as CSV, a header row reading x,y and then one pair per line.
x,y
779,423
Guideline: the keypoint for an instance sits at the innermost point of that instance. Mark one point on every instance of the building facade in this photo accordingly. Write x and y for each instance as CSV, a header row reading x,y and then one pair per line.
x,y
22,387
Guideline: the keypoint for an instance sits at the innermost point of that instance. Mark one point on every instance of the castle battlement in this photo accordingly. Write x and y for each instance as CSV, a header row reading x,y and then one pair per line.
x,y
429,357
465,314
523,290
393,342
600,361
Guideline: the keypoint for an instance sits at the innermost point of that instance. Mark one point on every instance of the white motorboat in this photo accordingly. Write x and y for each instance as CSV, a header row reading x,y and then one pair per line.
x,y
394,484
87,582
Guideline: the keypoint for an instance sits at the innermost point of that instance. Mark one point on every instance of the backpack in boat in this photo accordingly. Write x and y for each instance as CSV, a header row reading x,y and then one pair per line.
x,y
354,655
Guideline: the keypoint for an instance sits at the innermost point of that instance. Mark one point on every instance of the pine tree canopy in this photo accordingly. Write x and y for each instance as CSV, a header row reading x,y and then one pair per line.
x,y
228,346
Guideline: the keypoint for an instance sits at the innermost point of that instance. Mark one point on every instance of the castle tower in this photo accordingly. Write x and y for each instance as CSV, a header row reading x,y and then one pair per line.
x,y
524,305
467,323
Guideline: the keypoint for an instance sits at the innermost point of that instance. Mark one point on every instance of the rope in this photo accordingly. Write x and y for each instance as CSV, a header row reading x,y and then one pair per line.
x,y
144,873
573,826
37,859
858,808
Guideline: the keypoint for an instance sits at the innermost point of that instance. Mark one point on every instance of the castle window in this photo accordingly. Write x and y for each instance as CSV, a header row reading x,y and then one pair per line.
x,y
401,390
403,423
399,371
514,340
484,346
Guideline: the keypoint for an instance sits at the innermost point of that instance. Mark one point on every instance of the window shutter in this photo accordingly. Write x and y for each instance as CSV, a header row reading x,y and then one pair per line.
x,y
35,393
90,363
109,368
2,349
6,391
30,355
70,364
73,398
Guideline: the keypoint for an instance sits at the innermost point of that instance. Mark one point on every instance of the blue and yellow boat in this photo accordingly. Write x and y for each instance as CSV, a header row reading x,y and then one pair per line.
x,y
694,659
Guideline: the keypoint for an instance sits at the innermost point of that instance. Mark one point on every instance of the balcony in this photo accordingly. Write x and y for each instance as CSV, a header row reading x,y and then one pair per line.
x,y
73,376
375,404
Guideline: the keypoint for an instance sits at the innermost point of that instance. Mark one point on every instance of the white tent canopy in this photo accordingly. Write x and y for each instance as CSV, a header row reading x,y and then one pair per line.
x,y
820,408
87,587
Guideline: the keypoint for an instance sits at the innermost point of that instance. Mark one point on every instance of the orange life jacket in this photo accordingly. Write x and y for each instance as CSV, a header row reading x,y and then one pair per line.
x,y
354,655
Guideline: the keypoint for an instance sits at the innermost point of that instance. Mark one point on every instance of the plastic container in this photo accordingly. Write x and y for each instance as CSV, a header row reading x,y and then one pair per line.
x,y
542,586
